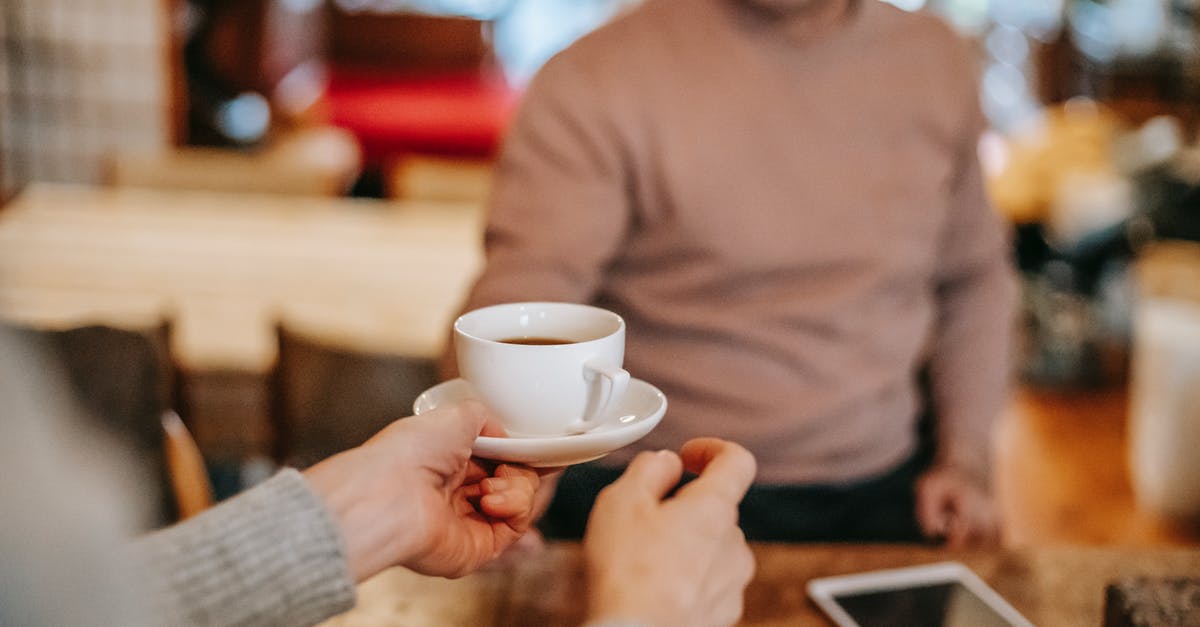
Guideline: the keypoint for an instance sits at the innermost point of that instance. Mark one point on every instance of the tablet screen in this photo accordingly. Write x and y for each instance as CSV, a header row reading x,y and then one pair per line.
x,y
948,604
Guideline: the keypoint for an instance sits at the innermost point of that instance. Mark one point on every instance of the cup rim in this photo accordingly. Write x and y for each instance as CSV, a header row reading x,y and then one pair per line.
x,y
458,323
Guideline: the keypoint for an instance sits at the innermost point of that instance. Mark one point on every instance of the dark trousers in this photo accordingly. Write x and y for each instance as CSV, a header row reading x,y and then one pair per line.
x,y
881,509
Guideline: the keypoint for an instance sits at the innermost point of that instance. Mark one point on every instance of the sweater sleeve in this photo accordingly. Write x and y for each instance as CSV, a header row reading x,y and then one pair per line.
x,y
270,556
976,297
560,207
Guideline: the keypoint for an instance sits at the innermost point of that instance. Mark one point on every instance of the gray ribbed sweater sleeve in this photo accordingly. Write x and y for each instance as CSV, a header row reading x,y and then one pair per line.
x,y
270,556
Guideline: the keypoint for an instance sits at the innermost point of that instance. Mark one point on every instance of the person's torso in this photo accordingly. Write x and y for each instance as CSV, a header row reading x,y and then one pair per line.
x,y
788,201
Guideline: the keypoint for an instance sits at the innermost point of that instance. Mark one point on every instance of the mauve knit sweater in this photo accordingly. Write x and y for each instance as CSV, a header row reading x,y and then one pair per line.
x,y
793,226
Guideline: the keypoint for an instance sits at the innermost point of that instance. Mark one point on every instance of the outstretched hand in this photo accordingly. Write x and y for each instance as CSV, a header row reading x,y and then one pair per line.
x,y
413,496
955,507
679,560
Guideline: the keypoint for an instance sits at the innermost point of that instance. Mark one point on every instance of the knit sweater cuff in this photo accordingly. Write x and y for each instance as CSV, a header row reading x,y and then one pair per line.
x,y
270,556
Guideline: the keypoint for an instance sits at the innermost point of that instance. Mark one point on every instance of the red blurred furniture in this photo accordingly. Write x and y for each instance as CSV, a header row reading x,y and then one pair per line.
x,y
408,83
460,113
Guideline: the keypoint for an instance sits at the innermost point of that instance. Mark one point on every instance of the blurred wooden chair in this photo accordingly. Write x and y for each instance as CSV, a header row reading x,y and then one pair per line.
x,y
186,470
406,83
326,398
122,378
440,179
124,381
312,161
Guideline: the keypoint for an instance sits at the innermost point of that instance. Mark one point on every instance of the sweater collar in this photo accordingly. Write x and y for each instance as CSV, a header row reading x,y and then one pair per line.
x,y
800,25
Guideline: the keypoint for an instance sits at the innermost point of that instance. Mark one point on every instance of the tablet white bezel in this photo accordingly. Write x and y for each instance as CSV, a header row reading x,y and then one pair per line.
x,y
823,590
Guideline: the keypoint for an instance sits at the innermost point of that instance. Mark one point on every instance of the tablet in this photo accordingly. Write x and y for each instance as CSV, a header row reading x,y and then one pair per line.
x,y
946,594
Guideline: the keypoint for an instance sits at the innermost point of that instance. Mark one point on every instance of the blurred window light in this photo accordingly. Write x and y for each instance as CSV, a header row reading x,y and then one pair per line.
x,y
1139,25
1092,31
1004,84
1007,101
301,88
907,5
994,153
968,16
1104,31
532,31
1041,19
245,118
1007,44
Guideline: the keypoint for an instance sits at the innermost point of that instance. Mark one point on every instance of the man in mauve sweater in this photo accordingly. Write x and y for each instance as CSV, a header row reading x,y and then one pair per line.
x,y
783,200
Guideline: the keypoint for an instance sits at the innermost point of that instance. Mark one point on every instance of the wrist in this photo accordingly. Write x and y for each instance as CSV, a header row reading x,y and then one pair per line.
x,y
975,469
368,534
623,604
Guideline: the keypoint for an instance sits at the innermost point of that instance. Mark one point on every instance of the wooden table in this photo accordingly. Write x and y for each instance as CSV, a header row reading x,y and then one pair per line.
x,y
386,276
226,266
1061,586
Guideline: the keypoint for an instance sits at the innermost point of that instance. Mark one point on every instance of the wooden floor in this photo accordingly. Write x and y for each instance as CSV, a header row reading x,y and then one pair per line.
x,y
1062,474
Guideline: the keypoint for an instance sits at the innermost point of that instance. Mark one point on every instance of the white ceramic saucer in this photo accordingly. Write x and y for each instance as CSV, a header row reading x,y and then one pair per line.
x,y
639,412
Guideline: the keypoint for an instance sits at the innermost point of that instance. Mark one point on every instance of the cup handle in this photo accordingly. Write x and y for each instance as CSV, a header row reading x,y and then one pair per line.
x,y
617,380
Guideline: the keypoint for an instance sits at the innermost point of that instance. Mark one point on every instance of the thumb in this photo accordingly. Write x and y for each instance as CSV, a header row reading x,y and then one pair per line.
x,y
463,421
725,469
653,474
445,428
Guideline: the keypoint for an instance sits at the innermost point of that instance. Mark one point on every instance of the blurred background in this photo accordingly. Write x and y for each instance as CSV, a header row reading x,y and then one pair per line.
x,y
284,196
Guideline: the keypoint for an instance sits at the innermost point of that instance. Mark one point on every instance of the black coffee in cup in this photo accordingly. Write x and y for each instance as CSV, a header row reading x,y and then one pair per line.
x,y
536,341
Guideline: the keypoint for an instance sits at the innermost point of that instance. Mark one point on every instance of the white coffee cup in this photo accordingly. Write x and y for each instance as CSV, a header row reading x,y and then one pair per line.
x,y
544,389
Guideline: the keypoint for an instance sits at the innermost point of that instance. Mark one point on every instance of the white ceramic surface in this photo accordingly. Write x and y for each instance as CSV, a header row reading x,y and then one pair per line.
x,y
544,390
1164,407
638,413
